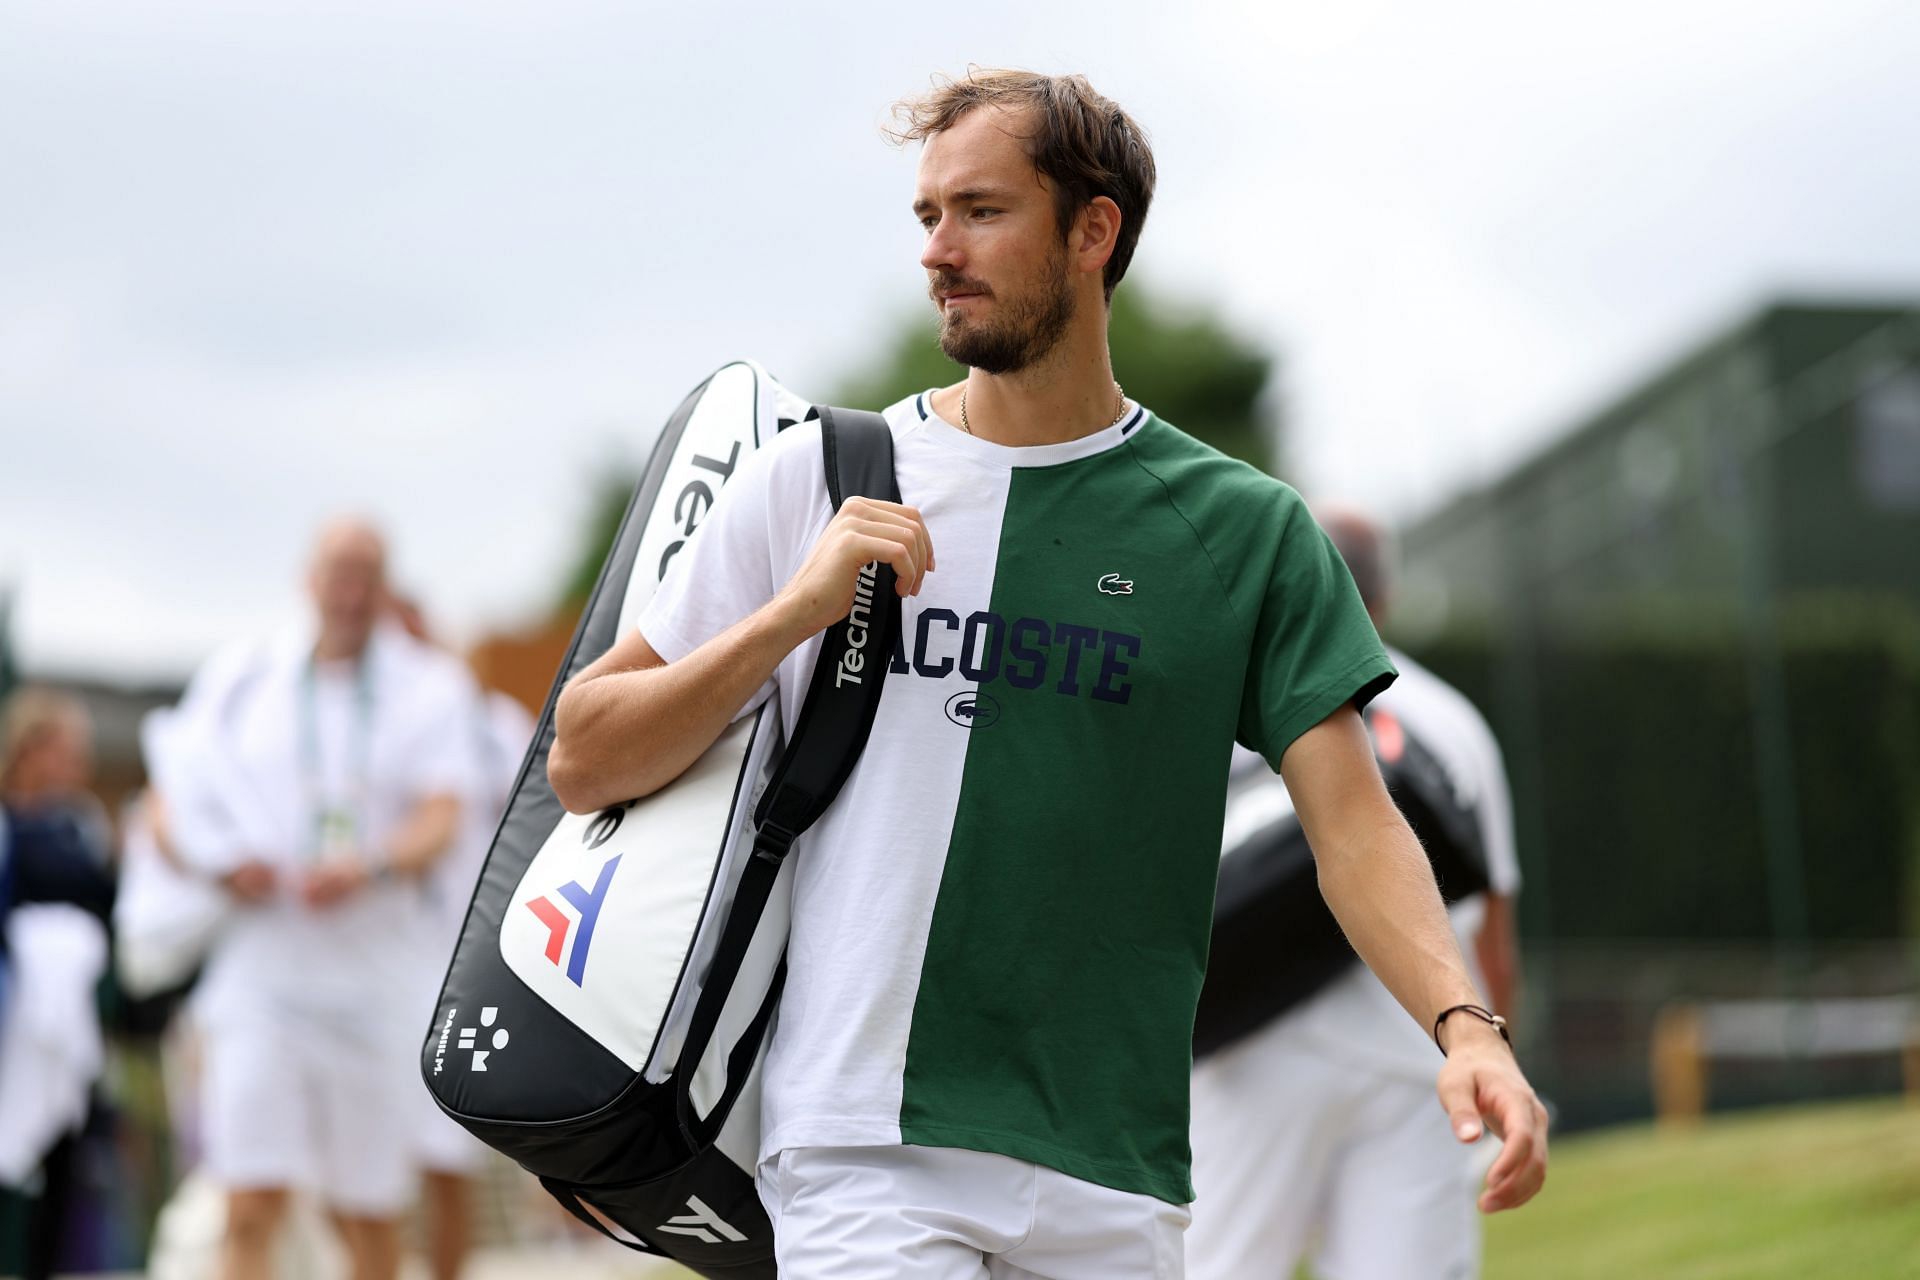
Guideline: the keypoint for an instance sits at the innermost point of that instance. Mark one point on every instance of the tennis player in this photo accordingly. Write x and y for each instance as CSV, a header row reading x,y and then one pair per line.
x,y
980,1063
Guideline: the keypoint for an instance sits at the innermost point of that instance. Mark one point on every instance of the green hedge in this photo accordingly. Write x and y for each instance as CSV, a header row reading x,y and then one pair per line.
x,y
1631,743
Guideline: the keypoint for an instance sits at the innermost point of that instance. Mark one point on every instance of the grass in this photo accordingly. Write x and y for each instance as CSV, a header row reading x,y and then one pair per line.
x,y
1827,1192
1797,1194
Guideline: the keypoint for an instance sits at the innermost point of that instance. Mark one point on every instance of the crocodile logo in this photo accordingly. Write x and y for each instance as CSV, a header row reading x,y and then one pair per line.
x,y
1114,585
973,710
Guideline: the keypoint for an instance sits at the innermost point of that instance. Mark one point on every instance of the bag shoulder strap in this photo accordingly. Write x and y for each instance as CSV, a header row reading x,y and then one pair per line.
x,y
825,744
844,694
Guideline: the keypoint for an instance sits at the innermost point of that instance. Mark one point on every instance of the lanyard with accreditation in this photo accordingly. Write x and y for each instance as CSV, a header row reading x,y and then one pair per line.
x,y
337,815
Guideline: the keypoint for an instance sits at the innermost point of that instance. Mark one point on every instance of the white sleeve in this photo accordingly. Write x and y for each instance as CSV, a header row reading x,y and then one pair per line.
x,y
428,703
761,526
203,705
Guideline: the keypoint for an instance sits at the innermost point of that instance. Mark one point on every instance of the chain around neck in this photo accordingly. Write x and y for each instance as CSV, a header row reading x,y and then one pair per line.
x,y
1120,411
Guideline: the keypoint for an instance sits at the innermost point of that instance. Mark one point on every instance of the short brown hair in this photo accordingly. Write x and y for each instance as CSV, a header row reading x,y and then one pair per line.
x,y
1083,142
29,716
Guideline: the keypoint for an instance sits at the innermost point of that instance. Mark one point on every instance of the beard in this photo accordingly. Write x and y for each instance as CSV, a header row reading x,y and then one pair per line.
x,y
1029,327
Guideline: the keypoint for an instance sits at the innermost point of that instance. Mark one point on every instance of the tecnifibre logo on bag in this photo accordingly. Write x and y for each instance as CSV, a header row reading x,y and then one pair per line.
x,y
600,926
703,1224
587,902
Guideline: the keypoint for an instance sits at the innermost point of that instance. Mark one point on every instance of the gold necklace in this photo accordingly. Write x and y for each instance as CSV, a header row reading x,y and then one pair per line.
x,y
1119,413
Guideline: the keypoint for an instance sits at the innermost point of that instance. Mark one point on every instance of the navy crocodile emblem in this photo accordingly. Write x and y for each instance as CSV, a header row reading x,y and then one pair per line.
x,y
973,710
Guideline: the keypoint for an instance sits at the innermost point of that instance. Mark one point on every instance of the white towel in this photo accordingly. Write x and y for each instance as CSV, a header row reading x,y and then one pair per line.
x,y
225,805
164,921
50,1045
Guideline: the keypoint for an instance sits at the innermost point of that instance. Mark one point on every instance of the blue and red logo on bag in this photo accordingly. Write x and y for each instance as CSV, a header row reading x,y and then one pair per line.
x,y
587,902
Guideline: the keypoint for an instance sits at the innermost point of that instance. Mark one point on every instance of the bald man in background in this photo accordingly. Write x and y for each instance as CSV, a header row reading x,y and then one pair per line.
x,y
344,753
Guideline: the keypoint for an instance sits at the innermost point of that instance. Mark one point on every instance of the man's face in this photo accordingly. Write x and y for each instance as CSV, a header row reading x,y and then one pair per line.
x,y
60,760
348,584
71,766
996,264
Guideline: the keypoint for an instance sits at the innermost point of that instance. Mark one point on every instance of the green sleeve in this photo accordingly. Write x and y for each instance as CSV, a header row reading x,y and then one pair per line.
x,y
1314,648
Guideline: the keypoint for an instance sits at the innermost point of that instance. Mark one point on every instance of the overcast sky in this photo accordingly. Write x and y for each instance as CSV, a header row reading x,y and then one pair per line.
x,y
441,262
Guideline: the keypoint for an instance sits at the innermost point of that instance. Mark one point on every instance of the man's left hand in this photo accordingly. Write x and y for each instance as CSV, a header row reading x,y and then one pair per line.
x,y
1482,1087
334,881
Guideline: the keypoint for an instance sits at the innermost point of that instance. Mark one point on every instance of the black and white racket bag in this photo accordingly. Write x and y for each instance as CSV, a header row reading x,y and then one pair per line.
x,y
1275,941
603,1017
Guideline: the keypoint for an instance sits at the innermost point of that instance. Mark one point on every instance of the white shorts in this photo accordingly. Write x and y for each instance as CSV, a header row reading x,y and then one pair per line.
x,y
1291,1146
321,1104
940,1213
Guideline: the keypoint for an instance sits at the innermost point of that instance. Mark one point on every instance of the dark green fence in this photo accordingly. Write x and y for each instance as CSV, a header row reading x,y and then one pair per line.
x,y
1641,794
1639,797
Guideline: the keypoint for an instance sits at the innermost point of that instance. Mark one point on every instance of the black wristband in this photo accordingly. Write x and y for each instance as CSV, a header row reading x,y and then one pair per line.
x,y
1485,1015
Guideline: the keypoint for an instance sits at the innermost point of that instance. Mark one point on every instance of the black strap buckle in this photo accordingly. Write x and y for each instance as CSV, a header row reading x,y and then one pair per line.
x,y
772,841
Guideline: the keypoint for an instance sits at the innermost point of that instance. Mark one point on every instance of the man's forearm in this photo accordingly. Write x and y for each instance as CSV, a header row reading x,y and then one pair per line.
x,y
632,722
1376,878
621,731
1373,873
1380,888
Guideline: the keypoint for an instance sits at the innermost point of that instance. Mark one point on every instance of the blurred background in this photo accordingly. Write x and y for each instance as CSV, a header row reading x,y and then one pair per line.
x,y
1613,314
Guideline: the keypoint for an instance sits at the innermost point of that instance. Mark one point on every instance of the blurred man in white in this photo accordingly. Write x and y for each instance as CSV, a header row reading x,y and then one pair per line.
x,y
1316,1136
451,1159
348,754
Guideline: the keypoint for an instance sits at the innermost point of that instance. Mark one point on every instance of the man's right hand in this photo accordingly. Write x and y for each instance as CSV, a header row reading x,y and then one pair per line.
x,y
630,722
251,881
862,531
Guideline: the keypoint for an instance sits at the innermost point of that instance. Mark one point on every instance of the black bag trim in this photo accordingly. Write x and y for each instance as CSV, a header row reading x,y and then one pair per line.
x,y
572,1201
569,1200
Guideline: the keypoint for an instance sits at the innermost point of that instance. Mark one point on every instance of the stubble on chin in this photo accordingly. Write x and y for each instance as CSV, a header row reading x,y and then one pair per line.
x,y
1027,331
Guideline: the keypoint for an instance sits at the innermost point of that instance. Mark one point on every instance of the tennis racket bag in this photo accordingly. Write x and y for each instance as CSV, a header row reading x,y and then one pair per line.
x,y
1275,942
603,1017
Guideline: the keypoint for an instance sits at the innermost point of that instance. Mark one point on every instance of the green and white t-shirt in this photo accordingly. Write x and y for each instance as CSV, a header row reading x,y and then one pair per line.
x,y
1000,928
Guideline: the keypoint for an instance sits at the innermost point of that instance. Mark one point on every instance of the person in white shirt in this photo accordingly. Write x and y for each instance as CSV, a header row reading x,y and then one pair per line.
x,y
346,760
1315,1136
